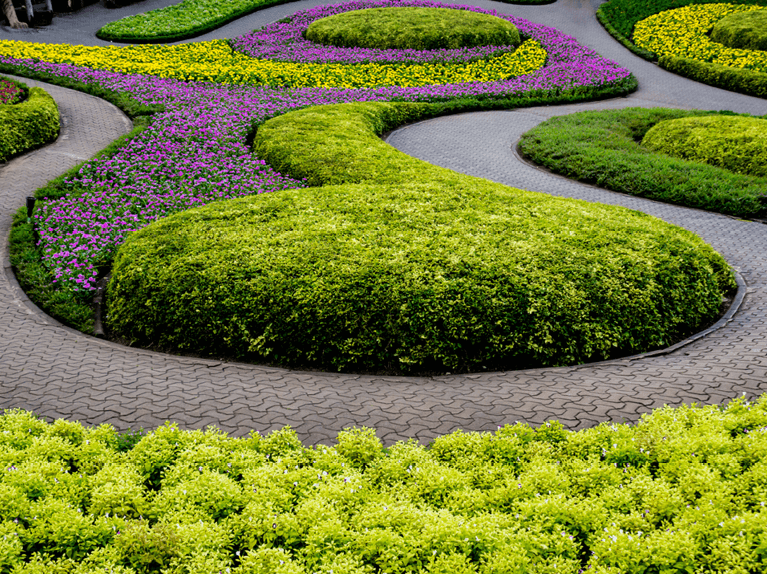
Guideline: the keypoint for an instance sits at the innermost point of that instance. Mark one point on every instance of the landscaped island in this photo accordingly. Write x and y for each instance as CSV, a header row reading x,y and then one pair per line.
x,y
348,271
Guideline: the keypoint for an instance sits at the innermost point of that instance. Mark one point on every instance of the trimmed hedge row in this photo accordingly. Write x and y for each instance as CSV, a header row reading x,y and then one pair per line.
x,y
735,143
602,147
29,124
377,272
187,19
619,17
412,28
683,490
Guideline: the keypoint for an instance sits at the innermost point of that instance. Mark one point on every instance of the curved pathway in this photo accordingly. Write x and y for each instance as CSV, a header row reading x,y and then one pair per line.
x,y
57,372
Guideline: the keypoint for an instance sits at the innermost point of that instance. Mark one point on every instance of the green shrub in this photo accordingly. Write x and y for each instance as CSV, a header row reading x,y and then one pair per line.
x,y
603,148
412,28
359,446
186,19
29,124
746,30
490,277
736,143
543,500
745,81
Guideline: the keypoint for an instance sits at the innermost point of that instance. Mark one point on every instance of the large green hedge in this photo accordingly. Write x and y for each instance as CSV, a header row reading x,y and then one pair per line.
x,y
29,124
603,148
681,491
746,30
619,17
735,143
400,266
412,28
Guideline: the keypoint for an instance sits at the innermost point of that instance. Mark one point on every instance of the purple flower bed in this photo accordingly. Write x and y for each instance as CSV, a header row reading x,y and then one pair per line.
x,y
195,152
285,42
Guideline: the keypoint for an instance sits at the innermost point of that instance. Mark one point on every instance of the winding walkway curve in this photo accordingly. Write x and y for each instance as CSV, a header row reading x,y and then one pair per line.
x,y
57,372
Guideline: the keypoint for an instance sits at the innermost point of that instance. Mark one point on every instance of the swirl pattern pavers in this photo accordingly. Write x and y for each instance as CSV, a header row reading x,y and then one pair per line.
x,y
57,372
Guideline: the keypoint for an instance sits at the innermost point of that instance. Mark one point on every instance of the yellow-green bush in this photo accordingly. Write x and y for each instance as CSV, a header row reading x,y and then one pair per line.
x,y
412,28
29,124
683,490
735,143
397,265
746,30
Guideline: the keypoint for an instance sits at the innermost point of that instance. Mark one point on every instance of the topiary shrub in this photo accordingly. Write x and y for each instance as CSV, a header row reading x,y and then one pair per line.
x,y
735,143
412,28
745,30
411,268
29,124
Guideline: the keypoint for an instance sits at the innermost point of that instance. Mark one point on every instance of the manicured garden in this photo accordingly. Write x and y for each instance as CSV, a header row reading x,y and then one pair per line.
x,y
706,160
479,313
689,37
683,490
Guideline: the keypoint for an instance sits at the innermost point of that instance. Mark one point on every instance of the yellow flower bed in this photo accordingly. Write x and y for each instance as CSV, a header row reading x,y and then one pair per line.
x,y
683,32
215,61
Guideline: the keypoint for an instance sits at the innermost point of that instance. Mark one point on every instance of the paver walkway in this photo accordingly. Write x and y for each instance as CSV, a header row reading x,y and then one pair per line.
x,y
57,372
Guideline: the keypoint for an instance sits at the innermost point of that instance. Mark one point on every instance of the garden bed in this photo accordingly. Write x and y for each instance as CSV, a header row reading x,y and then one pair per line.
x,y
676,34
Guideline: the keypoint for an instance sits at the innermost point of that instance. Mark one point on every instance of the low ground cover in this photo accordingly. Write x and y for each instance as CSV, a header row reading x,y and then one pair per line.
x,y
195,150
29,118
411,268
680,491
605,148
735,143
684,46
412,28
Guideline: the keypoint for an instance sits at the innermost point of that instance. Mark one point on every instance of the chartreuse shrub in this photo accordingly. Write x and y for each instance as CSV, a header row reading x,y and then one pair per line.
x,y
397,265
412,28
686,32
28,124
746,30
683,490
604,148
735,143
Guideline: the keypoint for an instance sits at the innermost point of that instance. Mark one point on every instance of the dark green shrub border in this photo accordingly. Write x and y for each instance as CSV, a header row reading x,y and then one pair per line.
x,y
28,125
619,17
398,266
602,147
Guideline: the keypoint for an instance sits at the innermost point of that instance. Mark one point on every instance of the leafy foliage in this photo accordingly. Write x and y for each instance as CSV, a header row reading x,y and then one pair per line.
x,y
603,148
29,124
735,143
410,28
680,491
747,30
400,266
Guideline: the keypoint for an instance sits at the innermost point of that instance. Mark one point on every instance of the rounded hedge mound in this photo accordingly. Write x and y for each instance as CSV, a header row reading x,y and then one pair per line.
x,y
602,148
411,28
735,143
29,124
745,30
452,273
